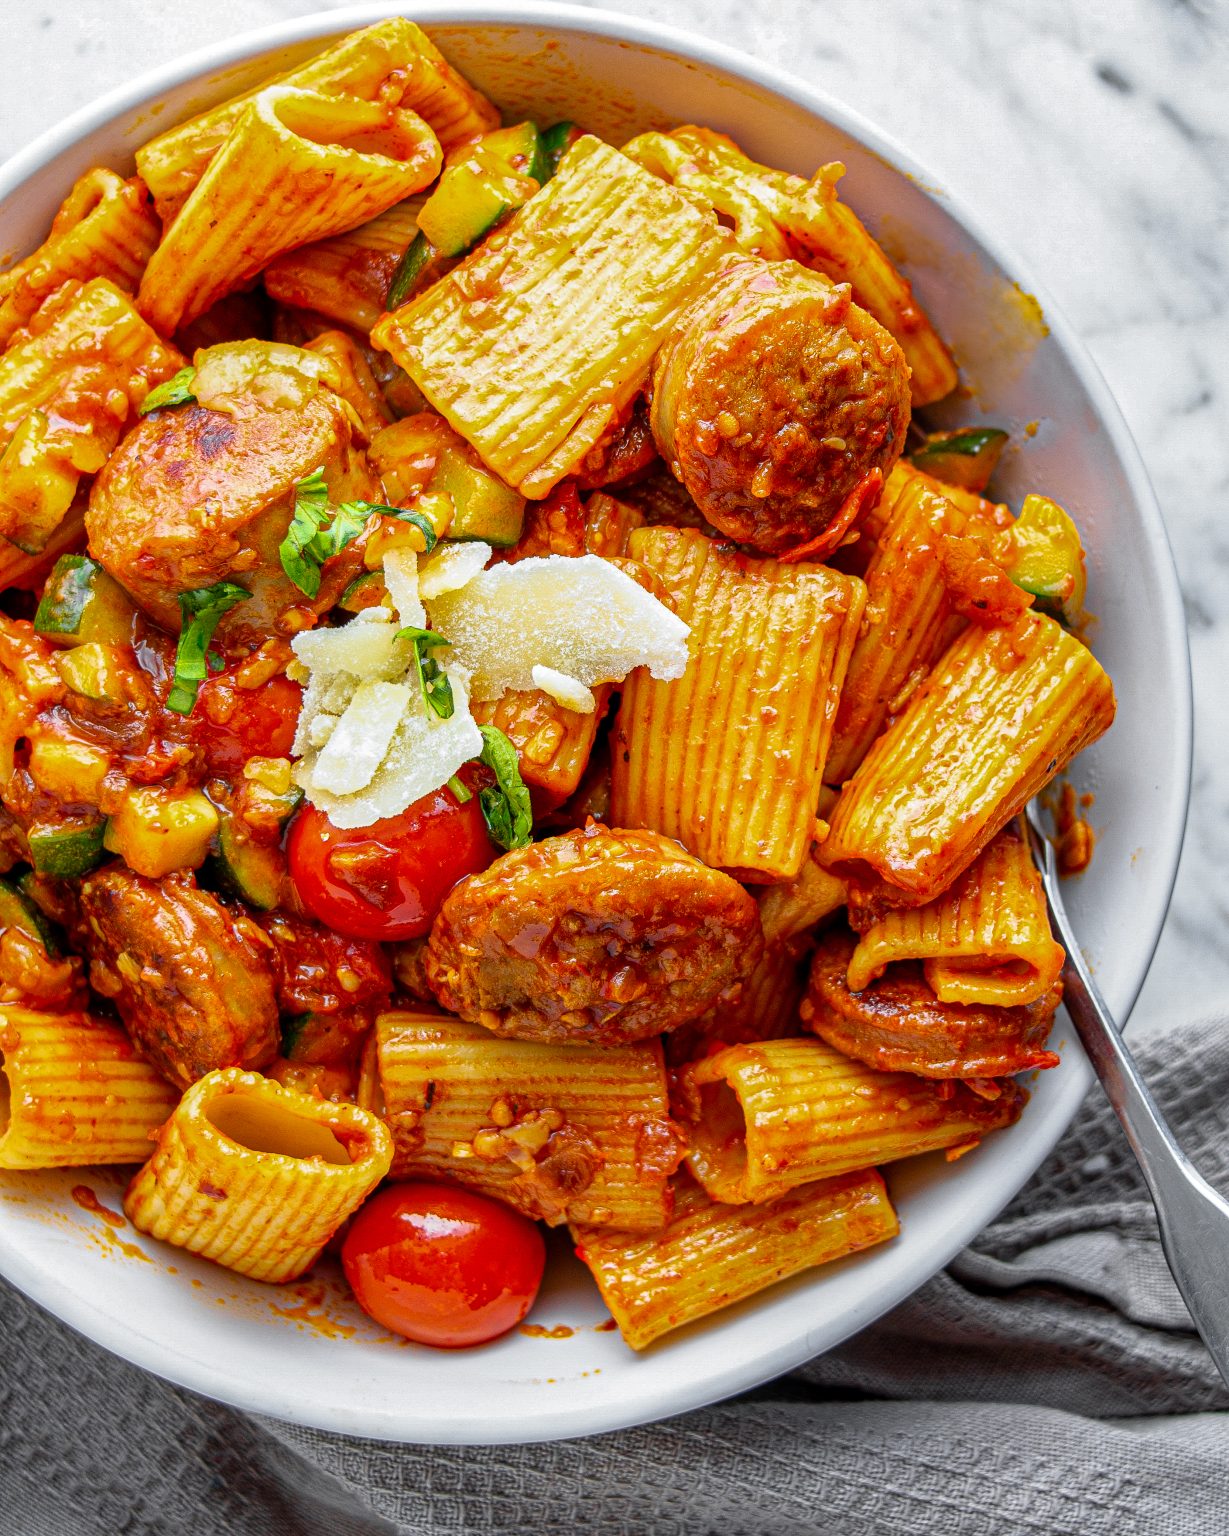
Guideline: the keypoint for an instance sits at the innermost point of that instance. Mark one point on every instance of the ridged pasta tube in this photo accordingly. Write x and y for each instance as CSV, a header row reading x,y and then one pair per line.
x,y
346,277
987,939
729,759
767,1117
778,216
73,1090
70,383
567,1132
711,1256
255,1176
296,167
1002,712
393,63
539,341
105,227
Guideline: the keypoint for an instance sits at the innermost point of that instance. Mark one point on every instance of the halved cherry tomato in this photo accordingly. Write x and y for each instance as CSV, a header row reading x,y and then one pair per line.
x,y
443,1265
237,723
387,881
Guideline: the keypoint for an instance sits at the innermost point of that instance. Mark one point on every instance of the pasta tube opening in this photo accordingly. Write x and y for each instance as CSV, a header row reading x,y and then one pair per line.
x,y
256,1125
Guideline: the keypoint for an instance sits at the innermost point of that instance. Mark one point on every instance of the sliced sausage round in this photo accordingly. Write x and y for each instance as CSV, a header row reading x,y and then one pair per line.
x,y
190,978
780,405
597,936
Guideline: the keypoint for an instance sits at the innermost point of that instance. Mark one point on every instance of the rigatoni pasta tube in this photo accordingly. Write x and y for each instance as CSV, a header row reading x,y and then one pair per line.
x,y
296,167
346,277
909,619
393,64
70,383
987,939
765,1118
578,290
73,1090
1001,713
567,1132
711,1256
777,216
255,1176
105,227
897,1024
729,759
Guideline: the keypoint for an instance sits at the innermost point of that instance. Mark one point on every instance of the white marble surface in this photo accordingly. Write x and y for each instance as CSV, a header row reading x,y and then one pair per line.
x,y
1093,137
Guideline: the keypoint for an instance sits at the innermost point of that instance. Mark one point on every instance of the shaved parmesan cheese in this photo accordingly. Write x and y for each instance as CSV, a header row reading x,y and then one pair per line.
x,y
358,743
424,753
365,648
450,567
579,616
401,579
564,690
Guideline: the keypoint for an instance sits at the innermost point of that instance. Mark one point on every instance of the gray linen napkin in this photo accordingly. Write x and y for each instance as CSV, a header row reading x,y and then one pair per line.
x,y
1047,1384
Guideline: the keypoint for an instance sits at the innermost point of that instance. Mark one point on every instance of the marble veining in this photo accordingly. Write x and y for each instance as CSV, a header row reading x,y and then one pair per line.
x,y
1094,138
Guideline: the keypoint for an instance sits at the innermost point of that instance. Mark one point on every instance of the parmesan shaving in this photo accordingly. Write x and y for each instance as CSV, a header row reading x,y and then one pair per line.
x,y
358,743
564,690
450,567
579,616
401,579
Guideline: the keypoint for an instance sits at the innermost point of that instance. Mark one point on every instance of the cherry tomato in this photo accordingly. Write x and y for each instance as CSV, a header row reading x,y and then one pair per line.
x,y
387,881
238,723
442,1265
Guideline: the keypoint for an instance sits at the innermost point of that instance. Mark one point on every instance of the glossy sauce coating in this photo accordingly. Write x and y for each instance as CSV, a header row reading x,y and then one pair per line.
x,y
598,936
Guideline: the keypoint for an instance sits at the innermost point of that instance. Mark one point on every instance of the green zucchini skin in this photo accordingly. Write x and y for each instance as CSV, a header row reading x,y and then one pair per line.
x,y
414,271
966,458
81,602
254,873
18,911
68,849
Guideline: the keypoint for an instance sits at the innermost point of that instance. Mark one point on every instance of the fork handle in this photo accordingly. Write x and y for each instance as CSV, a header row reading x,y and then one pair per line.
x,y
1193,1218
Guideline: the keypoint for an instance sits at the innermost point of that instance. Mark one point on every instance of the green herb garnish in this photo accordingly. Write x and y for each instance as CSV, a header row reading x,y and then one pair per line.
x,y
460,793
436,689
316,534
505,804
199,612
176,391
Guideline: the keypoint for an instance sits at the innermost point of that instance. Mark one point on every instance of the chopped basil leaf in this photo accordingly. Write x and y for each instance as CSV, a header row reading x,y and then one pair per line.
x,y
316,535
460,793
436,689
199,612
176,391
505,805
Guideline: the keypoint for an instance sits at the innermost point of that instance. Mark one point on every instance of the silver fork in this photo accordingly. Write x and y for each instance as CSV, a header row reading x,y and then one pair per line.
x,y
1193,1218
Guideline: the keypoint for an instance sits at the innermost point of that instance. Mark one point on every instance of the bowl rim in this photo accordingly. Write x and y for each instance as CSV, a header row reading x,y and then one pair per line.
x,y
132,1344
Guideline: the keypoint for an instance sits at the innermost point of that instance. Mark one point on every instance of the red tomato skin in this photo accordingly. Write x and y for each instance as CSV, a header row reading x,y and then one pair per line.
x,y
442,1265
400,869
234,724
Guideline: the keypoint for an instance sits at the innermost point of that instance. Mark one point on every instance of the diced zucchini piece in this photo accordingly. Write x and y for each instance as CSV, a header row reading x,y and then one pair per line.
x,y
295,1032
415,270
483,506
66,849
93,670
519,149
556,141
253,872
1047,558
966,458
18,911
81,603
157,831
466,205
69,769
365,591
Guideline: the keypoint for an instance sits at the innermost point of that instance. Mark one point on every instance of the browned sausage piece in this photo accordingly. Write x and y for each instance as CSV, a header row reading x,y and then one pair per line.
x,y
190,978
195,496
597,936
898,1025
778,403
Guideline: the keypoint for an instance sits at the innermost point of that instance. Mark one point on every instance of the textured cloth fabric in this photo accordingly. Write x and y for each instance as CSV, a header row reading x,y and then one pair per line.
x,y
1048,1383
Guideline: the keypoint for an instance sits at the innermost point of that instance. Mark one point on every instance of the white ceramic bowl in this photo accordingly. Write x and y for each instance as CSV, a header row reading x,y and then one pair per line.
x,y
306,1353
